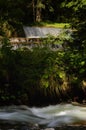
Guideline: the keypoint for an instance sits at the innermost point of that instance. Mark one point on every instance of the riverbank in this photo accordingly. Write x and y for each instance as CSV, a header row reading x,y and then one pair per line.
x,y
41,76
28,127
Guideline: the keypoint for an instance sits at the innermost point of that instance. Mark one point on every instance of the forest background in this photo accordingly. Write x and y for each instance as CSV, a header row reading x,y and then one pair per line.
x,y
42,76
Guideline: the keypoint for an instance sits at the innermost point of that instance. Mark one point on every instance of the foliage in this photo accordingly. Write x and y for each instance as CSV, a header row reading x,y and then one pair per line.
x,y
51,24
42,73
26,74
13,15
76,54
5,29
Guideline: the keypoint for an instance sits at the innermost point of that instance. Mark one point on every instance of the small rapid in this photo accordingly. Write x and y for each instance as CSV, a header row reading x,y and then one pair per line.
x,y
50,116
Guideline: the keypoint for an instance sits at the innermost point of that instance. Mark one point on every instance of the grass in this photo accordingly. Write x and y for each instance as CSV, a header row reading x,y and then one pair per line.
x,y
51,24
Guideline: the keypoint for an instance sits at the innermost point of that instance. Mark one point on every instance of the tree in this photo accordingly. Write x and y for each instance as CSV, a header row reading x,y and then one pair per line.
x,y
76,52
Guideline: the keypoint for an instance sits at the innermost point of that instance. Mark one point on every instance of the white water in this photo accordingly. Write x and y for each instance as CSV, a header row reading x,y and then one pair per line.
x,y
40,32
50,116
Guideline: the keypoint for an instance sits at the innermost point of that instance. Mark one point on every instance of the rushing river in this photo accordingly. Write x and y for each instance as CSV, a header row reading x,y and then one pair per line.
x,y
50,116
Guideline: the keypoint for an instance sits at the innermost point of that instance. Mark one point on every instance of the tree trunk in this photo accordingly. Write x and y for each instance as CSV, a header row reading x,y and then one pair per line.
x,y
33,4
38,11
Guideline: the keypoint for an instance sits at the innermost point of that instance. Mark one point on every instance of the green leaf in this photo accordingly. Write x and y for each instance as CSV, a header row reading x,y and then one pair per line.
x,y
82,63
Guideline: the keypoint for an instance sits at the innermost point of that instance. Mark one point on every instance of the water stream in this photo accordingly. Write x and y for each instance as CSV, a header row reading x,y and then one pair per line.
x,y
50,116
40,32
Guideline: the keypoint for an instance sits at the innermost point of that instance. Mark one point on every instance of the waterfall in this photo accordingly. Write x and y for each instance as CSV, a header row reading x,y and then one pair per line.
x,y
40,32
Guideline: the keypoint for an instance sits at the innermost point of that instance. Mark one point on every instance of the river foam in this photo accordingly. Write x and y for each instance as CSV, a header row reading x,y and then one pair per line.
x,y
50,116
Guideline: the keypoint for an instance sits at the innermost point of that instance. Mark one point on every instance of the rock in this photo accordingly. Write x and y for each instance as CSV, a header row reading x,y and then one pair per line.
x,y
49,129
78,104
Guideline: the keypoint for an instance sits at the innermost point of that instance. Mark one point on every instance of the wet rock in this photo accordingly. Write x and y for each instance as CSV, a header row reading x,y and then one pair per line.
x,y
49,129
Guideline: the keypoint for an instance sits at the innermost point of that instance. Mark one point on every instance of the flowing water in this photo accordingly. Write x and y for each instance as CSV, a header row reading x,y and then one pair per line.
x,y
40,32
50,116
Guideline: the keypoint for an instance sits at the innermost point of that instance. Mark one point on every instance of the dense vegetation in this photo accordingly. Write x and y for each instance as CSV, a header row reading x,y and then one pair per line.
x,y
13,15
41,75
